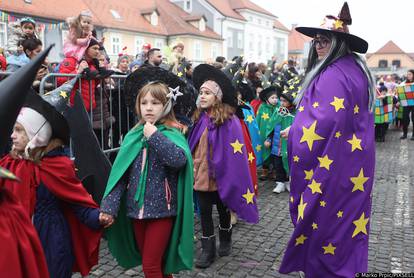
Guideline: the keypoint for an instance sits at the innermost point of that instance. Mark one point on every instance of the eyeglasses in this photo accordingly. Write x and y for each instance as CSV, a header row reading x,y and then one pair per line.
x,y
322,42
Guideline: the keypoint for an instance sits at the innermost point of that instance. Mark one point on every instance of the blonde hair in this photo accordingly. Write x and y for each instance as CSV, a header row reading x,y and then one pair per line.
x,y
159,91
38,153
75,24
219,112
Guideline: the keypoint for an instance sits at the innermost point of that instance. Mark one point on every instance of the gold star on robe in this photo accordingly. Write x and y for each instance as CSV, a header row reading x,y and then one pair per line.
x,y
291,199
338,103
308,174
338,134
315,104
63,94
356,109
251,157
340,214
338,24
237,146
330,249
309,135
359,181
180,74
248,196
301,208
314,226
325,162
322,203
258,148
249,119
300,240
360,225
265,116
301,108
355,143
296,158
315,186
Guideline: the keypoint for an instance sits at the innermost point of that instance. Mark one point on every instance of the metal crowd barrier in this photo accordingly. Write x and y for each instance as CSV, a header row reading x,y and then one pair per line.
x,y
111,130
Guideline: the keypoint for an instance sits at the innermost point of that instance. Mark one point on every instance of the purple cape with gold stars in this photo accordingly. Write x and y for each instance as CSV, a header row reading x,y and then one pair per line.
x,y
228,165
331,153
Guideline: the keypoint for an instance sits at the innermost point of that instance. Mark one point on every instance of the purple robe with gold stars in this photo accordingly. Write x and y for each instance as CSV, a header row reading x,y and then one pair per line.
x,y
228,164
331,153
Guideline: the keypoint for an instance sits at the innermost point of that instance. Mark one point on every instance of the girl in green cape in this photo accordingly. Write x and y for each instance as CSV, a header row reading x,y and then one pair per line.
x,y
149,192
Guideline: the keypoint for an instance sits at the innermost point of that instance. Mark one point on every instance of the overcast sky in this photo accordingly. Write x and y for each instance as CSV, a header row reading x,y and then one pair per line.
x,y
376,21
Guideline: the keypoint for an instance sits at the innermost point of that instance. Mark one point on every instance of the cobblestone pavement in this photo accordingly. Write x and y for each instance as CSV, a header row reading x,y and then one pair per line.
x,y
258,249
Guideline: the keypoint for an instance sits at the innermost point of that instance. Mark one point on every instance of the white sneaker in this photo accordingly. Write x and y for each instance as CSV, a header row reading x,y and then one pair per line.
x,y
280,187
287,186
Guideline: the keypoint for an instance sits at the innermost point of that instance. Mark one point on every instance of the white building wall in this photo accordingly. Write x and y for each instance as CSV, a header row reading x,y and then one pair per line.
x,y
230,24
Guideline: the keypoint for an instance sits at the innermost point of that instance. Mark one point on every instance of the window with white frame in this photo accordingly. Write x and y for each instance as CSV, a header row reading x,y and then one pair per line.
x,y
202,25
64,35
251,42
139,41
187,5
214,50
239,40
159,43
259,44
198,50
259,21
230,39
267,44
3,34
250,18
115,44
154,18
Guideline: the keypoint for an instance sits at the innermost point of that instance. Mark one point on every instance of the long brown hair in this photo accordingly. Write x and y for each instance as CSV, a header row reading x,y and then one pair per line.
x,y
219,112
38,153
159,91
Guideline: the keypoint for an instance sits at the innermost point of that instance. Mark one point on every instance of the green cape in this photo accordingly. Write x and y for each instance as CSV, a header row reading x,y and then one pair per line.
x,y
262,123
285,122
120,236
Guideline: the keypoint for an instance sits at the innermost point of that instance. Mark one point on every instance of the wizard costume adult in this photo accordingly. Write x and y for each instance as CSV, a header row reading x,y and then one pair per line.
x,y
331,154
21,253
121,240
64,214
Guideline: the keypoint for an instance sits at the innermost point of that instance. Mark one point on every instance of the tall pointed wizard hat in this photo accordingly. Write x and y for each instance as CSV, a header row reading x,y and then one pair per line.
x,y
53,105
13,91
185,105
338,25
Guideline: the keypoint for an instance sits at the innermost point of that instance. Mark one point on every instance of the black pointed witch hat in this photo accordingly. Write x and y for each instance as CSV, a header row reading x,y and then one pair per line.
x,y
13,91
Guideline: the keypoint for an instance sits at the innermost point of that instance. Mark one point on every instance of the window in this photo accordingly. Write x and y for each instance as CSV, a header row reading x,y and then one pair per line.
x,y
139,41
240,40
197,50
267,23
251,42
159,43
230,40
383,64
267,44
259,44
250,18
214,50
187,5
3,34
396,63
116,45
259,21
115,14
202,25
154,18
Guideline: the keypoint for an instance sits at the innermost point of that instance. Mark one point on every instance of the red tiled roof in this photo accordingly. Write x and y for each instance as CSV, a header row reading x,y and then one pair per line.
x,y
297,41
170,22
246,4
278,25
390,48
224,7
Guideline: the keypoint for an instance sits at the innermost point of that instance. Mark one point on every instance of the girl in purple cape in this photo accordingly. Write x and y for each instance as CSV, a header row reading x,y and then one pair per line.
x,y
221,171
